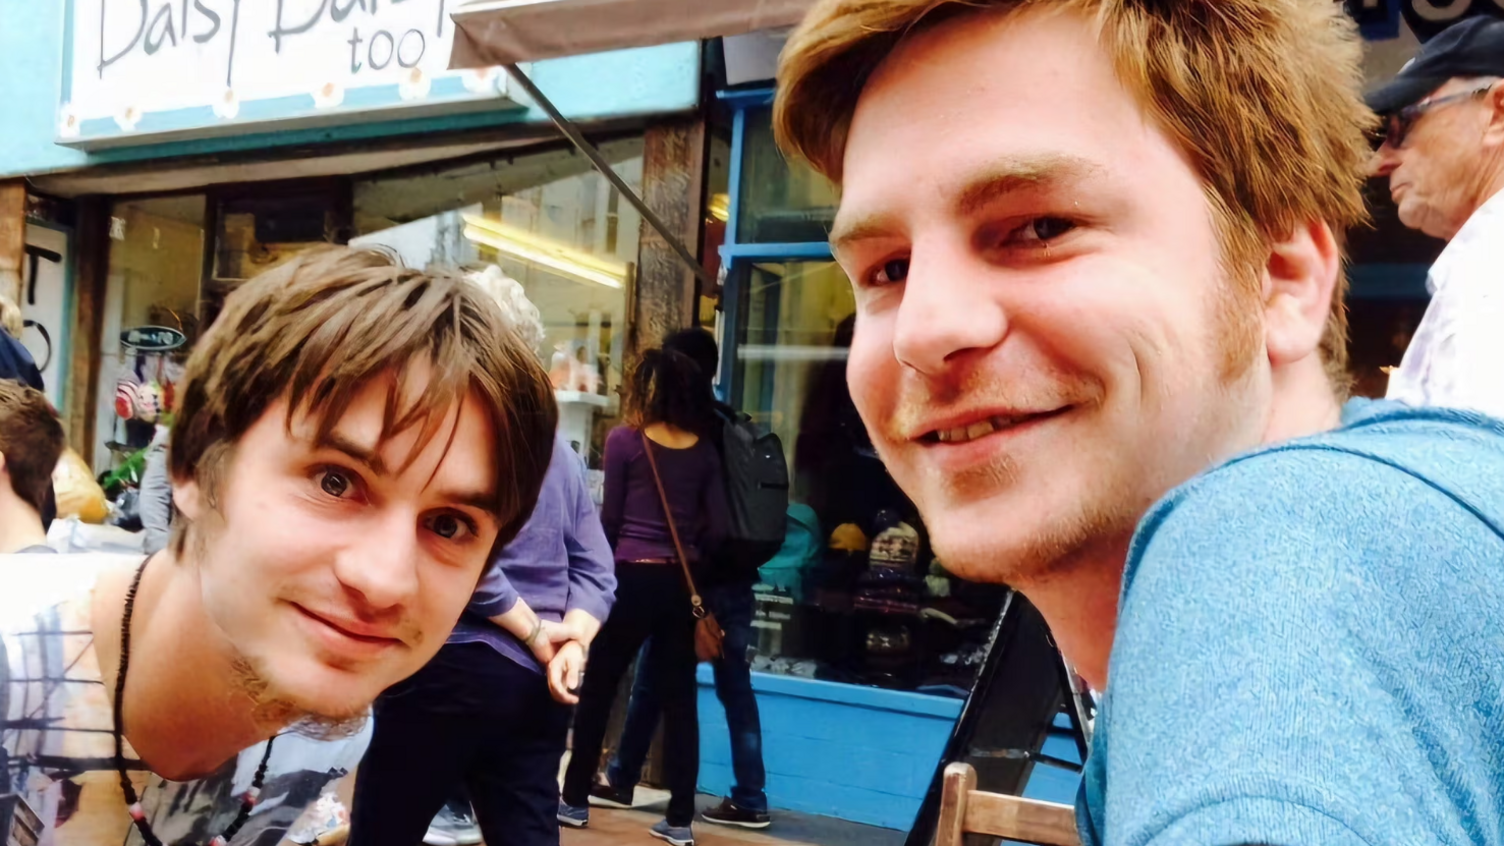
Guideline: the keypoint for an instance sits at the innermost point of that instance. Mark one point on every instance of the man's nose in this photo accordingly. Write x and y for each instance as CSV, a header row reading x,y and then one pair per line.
x,y
949,307
1384,160
382,563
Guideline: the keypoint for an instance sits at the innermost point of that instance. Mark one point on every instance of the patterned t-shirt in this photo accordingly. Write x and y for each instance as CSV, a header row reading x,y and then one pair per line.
x,y
57,753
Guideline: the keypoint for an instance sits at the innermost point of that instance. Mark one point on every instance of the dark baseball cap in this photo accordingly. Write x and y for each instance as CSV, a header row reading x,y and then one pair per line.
x,y
1473,47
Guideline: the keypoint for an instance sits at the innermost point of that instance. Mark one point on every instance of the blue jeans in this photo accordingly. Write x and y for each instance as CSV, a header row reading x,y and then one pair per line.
x,y
732,606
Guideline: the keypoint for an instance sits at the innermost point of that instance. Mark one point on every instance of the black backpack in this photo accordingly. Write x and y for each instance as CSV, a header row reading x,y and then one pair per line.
x,y
757,493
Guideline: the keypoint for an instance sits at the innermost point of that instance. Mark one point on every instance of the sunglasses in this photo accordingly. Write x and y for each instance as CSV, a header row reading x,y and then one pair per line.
x,y
1396,126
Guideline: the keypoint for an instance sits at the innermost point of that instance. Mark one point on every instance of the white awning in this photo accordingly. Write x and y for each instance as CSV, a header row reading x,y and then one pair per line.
x,y
500,32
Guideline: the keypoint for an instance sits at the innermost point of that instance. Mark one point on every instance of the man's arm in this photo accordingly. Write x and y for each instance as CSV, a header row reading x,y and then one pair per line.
x,y
614,465
1288,661
496,599
156,497
592,570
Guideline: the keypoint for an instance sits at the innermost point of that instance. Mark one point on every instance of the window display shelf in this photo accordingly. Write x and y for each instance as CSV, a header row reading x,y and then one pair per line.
x,y
597,400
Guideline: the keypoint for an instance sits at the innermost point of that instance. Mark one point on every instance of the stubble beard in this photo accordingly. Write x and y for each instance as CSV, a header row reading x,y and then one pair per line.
x,y
276,712
1046,551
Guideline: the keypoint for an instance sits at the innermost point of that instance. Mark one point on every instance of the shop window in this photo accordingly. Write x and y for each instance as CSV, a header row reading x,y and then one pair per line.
x,y
552,223
156,261
855,594
781,202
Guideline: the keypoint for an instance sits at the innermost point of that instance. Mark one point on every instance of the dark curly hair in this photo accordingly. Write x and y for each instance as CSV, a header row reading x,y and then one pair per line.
x,y
669,387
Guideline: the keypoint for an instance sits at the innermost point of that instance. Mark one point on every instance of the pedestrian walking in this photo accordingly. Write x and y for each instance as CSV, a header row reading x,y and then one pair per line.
x,y
664,504
728,594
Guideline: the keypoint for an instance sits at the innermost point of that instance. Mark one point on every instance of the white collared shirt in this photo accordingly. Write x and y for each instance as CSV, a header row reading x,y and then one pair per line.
x,y
1456,358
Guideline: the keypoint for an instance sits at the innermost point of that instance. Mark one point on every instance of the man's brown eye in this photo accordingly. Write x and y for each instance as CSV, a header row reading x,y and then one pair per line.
x,y
334,483
896,270
1050,228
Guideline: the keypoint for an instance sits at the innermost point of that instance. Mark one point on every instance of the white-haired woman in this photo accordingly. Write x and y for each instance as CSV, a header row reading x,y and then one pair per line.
x,y
489,715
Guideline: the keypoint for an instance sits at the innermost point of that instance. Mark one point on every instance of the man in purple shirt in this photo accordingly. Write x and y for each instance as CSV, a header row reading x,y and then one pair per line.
x,y
490,713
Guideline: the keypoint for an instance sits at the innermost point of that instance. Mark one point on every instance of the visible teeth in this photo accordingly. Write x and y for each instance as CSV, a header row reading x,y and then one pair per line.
x,y
978,429
962,434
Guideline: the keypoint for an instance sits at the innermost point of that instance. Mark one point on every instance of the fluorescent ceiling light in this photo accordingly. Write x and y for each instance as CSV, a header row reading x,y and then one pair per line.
x,y
720,207
527,246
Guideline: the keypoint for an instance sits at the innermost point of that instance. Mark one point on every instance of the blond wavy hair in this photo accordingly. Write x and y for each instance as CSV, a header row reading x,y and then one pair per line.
x,y
1263,96
11,321
522,316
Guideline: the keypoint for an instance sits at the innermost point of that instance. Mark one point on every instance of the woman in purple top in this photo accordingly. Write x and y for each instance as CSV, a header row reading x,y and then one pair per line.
x,y
669,410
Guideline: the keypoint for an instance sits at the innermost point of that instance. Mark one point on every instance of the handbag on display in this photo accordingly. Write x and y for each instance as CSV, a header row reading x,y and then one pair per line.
x,y
710,640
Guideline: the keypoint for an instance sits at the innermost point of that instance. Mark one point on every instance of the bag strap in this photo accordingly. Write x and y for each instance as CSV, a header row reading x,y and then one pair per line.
x,y
696,603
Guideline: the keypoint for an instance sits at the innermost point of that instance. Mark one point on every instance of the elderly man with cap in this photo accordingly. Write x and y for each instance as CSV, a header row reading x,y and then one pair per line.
x,y
1443,151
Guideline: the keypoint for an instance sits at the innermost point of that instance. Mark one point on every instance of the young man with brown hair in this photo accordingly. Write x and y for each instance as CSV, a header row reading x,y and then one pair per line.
x,y
1095,247
31,441
353,442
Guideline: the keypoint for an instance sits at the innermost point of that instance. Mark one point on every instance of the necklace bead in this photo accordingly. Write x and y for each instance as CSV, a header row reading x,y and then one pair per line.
x,y
133,803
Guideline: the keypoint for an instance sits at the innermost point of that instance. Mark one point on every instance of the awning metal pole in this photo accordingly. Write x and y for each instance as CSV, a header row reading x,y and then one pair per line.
x,y
577,138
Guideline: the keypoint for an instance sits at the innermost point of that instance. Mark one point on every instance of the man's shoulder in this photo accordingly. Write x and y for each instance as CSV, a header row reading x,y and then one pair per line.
x,y
1383,456
1359,491
32,584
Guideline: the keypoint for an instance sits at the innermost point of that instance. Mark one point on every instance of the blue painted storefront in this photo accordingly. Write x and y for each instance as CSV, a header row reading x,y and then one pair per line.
x,y
862,754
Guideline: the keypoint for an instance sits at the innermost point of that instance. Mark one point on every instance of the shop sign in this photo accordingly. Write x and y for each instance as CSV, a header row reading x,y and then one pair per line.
x,y
144,71
1429,17
153,338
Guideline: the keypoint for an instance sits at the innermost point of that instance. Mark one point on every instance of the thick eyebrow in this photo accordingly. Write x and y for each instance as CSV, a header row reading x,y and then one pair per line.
x,y
1011,175
480,500
845,233
366,455
990,183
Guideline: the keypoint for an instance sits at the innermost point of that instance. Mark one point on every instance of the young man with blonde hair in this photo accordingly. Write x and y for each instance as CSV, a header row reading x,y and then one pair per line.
x,y
352,444
1095,247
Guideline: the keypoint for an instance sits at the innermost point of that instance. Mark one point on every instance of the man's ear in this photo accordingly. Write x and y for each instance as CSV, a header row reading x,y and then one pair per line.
x,y
3,469
1299,281
188,496
1494,132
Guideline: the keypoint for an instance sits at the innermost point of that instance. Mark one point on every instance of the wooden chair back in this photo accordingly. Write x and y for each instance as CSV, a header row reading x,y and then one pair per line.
x,y
964,809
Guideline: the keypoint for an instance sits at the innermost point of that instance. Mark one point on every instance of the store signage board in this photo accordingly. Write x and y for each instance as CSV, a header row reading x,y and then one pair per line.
x,y
153,338
148,71
1427,18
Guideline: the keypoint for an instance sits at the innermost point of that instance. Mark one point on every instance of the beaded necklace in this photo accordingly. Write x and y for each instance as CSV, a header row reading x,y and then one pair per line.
x,y
133,802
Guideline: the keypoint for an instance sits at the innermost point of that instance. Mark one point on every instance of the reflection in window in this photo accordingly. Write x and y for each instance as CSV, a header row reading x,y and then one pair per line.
x,y
782,202
552,223
156,261
854,594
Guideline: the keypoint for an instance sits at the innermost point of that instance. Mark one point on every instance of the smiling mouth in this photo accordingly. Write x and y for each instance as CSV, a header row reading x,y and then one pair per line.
x,y
988,426
374,640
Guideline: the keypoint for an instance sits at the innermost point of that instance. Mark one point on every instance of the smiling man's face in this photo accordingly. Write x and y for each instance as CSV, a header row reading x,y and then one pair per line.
x,y
335,569
1047,340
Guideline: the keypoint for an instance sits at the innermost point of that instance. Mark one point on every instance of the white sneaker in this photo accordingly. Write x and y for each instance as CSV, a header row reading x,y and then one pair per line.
x,y
451,829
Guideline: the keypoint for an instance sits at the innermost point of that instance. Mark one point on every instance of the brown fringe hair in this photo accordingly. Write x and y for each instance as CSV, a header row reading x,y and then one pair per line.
x,y
319,328
31,439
